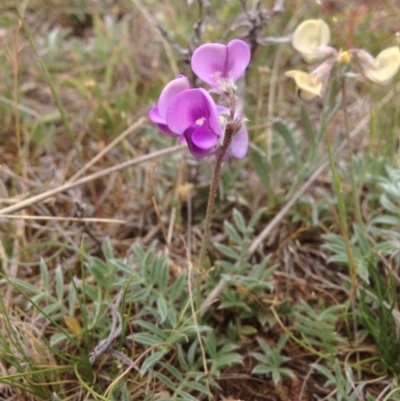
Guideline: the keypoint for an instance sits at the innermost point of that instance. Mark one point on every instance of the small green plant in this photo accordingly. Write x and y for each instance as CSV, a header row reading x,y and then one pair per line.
x,y
272,360
343,385
248,283
318,328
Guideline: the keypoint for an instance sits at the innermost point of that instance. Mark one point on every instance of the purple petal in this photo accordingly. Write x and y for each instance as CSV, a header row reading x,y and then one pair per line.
x,y
166,131
204,138
213,59
192,107
238,58
194,149
176,86
209,60
222,109
155,117
240,143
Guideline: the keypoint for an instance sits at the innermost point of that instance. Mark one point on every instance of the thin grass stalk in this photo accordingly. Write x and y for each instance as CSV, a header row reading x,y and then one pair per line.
x,y
354,187
49,80
342,216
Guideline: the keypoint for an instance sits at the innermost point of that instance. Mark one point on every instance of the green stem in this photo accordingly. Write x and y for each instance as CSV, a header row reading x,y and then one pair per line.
x,y
342,217
354,187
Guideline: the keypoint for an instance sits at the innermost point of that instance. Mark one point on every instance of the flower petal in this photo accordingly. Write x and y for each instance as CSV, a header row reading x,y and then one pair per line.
x,y
240,142
309,85
204,138
194,149
217,60
309,36
208,61
176,86
155,117
238,58
384,67
191,107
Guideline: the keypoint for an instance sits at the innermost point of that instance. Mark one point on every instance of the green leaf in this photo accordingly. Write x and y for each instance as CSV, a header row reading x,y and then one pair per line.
x,y
262,168
44,274
148,339
72,297
256,217
177,287
287,133
107,249
165,380
153,329
389,205
239,221
57,338
162,308
308,127
259,357
172,317
151,361
232,233
141,294
222,361
173,371
163,274
261,370
25,286
229,252
121,266
99,269
248,330
59,284
198,387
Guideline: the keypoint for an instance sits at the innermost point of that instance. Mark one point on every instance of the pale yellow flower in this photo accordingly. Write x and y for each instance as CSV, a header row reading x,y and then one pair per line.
x,y
310,39
309,86
383,67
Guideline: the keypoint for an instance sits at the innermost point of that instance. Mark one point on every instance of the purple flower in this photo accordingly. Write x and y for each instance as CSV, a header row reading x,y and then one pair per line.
x,y
193,115
158,113
240,142
214,62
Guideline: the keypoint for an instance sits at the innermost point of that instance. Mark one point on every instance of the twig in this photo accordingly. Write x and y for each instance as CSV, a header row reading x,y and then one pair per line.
x,y
69,185
112,144
60,218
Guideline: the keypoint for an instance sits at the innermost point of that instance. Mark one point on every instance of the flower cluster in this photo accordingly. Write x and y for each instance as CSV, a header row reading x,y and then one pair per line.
x,y
192,115
311,39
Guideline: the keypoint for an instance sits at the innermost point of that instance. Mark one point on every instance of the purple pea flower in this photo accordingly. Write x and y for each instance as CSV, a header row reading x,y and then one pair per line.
x,y
158,113
193,115
215,62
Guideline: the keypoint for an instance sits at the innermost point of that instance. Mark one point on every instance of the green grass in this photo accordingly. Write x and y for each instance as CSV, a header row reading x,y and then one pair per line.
x,y
310,310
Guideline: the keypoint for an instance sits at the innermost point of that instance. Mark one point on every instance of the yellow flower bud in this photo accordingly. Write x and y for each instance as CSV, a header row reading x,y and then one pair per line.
x,y
344,57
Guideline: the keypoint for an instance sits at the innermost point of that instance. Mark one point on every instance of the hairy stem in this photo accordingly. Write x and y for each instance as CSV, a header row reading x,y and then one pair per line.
x,y
229,133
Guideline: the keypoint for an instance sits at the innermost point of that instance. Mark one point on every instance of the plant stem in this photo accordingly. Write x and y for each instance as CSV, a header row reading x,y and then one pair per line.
x,y
342,217
210,209
354,187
